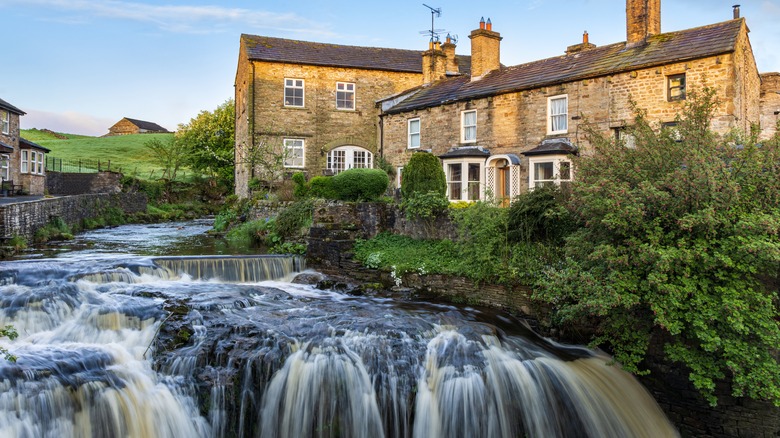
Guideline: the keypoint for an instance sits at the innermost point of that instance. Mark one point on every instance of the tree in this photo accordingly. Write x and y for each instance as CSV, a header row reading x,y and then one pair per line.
x,y
169,154
681,240
208,140
424,188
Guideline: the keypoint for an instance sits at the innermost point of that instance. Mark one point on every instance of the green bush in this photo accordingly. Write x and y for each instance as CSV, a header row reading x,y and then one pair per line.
x,y
360,184
540,215
423,174
424,206
322,187
293,219
301,189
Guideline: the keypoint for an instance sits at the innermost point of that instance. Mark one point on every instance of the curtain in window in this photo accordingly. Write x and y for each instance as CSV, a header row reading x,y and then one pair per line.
x,y
470,126
558,108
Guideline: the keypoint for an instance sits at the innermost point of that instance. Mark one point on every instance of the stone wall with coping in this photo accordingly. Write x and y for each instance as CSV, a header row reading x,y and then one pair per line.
x,y
59,183
24,218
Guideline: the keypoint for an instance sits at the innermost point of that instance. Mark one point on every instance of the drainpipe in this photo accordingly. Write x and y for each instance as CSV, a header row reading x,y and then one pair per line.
x,y
381,135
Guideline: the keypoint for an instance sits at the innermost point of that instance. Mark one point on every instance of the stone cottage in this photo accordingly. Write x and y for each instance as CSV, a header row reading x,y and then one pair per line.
x,y
304,106
128,126
22,162
498,130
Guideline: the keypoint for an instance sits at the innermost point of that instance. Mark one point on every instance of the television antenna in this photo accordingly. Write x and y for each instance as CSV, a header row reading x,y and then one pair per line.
x,y
434,33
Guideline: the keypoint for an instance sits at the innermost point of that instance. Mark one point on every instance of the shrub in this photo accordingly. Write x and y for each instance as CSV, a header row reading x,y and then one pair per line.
x,y
301,189
322,187
360,184
540,215
423,174
294,218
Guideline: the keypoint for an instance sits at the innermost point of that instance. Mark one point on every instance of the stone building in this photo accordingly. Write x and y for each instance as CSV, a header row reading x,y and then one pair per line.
x,y
503,130
128,126
22,162
499,130
304,106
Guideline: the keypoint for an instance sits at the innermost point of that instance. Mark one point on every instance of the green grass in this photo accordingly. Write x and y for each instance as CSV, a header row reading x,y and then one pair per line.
x,y
126,153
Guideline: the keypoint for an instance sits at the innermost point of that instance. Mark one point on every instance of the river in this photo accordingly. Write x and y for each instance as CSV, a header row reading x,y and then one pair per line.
x,y
154,331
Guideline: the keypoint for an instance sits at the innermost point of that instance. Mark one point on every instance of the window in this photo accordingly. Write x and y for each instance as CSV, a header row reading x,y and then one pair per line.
x,y
5,122
464,180
345,96
5,164
39,169
549,170
349,157
293,152
293,93
558,113
398,176
414,133
624,137
676,87
25,162
468,126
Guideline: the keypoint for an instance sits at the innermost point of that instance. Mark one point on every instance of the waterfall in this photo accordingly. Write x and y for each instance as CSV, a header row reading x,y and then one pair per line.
x,y
227,347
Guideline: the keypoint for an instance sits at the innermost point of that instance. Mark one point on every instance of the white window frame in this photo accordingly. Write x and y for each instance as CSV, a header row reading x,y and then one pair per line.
x,y
463,126
348,88
412,135
556,161
291,145
5,120
398,178
292,84
24,162
564,117
349,153
5,166
464,181
40,169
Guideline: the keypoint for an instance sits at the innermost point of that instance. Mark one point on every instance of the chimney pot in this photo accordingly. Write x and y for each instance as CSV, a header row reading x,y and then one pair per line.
x,y
585,37
489,25
736,11
482,23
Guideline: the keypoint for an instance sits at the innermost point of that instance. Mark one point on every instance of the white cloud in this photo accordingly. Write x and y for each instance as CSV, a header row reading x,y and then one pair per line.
x,y
179,19
67,122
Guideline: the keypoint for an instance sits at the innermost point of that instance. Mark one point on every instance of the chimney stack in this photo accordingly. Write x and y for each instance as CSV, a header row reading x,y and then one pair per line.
x,y
434,63
643,19
485,49
736,11
585,45
449,52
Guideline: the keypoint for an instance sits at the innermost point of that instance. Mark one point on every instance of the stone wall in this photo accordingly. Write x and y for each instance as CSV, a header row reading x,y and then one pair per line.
x,y
24,218
770,104
123,127
58,183
263,121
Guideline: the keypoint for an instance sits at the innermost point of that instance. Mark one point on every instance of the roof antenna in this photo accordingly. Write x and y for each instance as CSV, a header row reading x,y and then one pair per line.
x,y
434,33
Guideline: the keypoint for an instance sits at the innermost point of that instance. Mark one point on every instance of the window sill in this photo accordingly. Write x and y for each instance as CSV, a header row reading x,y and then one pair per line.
x,y
294,107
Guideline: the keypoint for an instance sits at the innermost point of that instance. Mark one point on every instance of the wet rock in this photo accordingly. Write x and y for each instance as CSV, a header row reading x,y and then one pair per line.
x,y
310,278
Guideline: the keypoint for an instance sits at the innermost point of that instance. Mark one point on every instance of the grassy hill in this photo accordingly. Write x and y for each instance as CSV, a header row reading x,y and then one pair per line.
x,y
125,153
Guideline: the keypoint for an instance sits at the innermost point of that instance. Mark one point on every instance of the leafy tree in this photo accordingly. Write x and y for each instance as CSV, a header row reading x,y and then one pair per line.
x,y
208,141
169,154
681,241
423,174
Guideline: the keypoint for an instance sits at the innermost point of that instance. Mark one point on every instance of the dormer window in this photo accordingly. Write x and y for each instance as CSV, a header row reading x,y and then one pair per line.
x,y
676,87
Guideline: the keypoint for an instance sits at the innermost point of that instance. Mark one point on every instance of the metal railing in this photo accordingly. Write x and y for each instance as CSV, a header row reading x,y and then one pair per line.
x,y
54,164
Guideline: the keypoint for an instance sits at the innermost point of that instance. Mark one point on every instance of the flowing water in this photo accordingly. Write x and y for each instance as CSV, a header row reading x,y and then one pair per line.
x,y
117,339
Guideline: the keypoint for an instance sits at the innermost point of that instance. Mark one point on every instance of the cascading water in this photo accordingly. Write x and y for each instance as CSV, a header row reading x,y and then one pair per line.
x,y
127,346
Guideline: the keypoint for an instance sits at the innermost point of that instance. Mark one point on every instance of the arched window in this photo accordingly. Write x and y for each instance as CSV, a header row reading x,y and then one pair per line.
x,y
349,157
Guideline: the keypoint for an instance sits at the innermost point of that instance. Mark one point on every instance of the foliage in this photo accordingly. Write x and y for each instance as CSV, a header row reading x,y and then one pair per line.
x,y
126,153
681,240
234,211
423,174
17,242
382,163
301,189
208,140
295,219
10,333
322,187
169,154
56,229
482,240
360,184
425,206
540,215
403,254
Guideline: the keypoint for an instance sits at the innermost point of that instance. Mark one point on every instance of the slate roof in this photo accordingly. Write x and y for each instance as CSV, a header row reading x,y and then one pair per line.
x,y
6,148
680,46
7,106
552,146
24,143
262,48
148,126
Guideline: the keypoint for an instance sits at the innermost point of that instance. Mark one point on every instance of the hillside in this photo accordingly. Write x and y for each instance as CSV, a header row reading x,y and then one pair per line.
x,y
126,153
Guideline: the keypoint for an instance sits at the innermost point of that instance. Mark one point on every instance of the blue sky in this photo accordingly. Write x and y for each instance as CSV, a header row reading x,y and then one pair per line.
x,y
79,66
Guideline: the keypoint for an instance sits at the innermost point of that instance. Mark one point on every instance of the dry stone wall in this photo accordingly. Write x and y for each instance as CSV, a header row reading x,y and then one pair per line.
x,y
58,183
